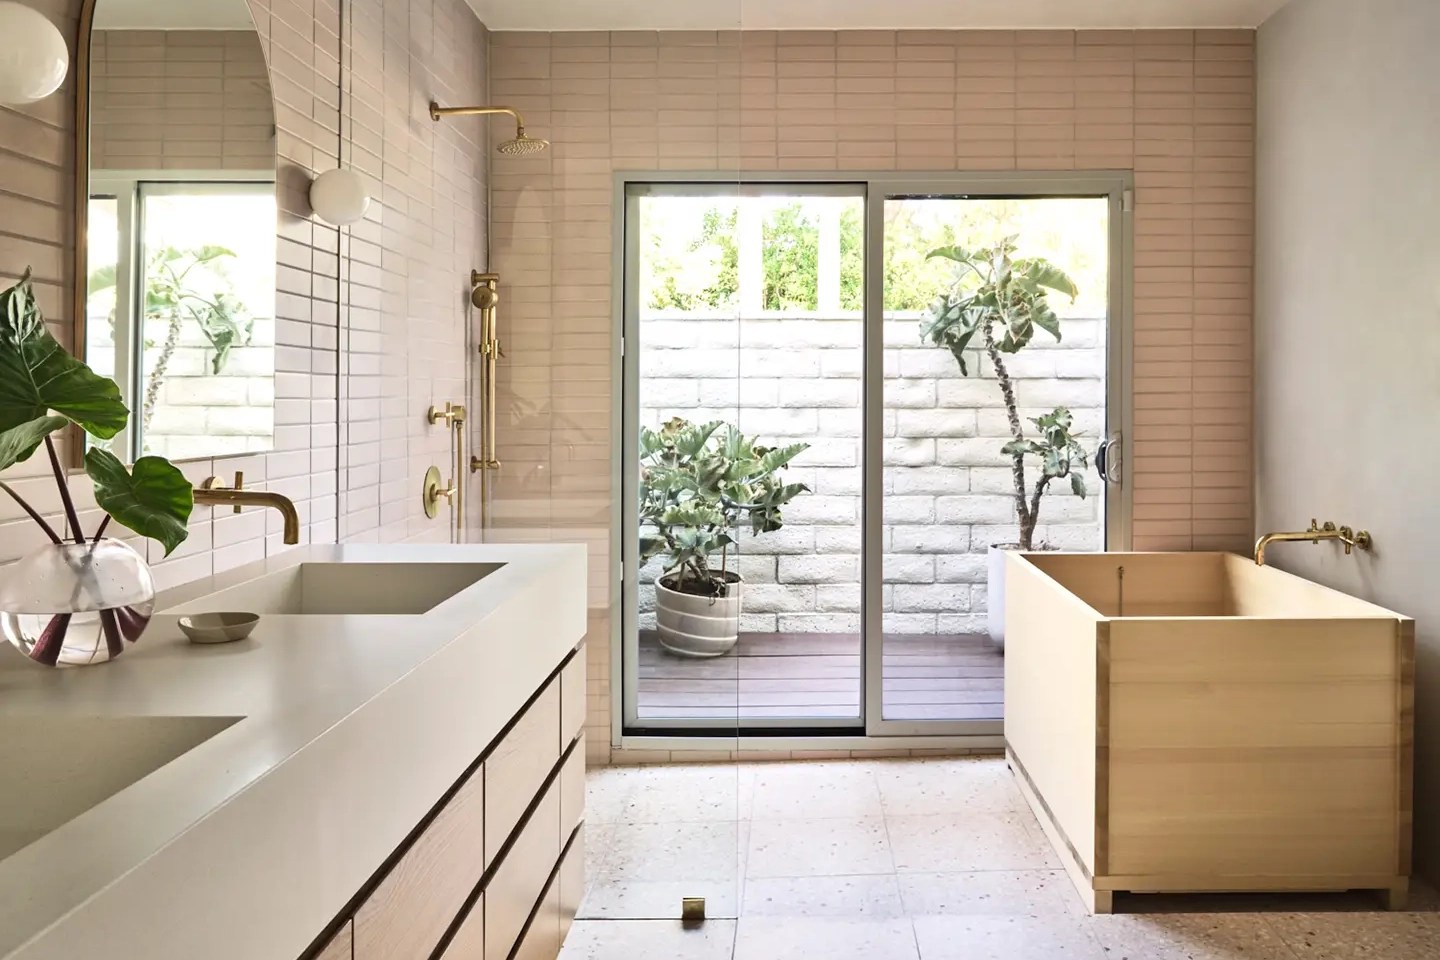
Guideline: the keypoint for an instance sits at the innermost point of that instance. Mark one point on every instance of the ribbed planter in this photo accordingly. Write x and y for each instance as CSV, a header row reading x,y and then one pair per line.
x,y
694,626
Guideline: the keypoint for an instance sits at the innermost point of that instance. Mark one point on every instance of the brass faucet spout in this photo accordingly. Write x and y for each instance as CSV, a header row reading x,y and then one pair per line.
x,y
1345,535
210,494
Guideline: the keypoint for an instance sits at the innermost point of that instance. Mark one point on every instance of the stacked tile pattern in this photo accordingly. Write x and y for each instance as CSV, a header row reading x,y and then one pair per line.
x,y
1174,106
392,302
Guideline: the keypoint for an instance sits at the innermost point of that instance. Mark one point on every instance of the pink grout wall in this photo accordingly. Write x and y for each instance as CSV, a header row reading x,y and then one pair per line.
x,y
1176,107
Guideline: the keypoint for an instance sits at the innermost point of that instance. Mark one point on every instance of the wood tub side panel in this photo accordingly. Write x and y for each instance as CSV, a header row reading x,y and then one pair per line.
x,y
1254,754
1051,712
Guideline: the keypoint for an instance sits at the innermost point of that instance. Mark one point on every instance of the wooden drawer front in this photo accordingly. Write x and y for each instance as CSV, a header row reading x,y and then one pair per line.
x,y
572,698
542,940
521,877
415,904
469,941
517,769
572,790
341,946
572,882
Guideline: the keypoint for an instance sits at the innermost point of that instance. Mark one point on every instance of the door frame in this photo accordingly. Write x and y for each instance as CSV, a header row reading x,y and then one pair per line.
x,y
1117,186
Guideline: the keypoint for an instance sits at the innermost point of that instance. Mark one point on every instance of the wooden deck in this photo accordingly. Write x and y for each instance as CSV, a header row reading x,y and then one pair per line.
x,y
817,676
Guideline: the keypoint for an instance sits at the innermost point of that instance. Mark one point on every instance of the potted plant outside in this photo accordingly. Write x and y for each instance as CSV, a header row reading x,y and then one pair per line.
x,y
996,304
699,484
82,597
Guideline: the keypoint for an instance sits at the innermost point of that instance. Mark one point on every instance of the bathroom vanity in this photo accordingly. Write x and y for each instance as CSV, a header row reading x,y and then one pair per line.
x,y
1195,722
390,766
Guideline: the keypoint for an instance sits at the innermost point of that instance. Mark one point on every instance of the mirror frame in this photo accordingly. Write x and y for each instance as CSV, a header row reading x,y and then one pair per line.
x,y
74,453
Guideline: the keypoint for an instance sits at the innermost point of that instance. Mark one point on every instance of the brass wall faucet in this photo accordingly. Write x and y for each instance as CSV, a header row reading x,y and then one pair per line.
x,y
1349,537
211,493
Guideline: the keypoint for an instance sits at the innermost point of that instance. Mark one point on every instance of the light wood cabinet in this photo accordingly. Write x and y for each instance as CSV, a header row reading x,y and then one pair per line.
x,y
517,769
572,880
520,879
481,846
341,946
409,912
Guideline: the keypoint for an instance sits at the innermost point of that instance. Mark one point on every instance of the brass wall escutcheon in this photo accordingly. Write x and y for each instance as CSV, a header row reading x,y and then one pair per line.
x,y
692,910
432,492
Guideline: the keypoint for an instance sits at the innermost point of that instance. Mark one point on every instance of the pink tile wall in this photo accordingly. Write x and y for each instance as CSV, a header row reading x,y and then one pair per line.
x,y
1177,107
393,308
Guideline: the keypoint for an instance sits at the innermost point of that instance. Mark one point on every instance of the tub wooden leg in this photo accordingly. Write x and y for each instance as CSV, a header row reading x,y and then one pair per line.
x,y
1397,895
1102,901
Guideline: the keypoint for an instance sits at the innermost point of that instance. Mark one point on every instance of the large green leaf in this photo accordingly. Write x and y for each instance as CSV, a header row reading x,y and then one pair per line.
x,y
154,499
37,375
17,443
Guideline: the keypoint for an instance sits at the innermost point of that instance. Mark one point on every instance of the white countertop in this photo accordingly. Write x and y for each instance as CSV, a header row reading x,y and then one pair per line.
x,y
350,729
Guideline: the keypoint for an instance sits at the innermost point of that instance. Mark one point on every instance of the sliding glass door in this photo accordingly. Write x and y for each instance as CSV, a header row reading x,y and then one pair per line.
x,y
814,479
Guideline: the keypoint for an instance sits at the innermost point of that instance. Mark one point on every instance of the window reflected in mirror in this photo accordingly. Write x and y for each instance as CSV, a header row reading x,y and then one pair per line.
x,y
179,304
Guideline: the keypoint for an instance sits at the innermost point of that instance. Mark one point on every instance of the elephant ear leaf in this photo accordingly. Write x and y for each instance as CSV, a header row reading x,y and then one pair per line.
x,y
154,499
17,443
38,376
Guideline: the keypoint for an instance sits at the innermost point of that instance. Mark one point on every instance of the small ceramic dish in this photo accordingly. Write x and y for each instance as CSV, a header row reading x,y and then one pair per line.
x,y
218,627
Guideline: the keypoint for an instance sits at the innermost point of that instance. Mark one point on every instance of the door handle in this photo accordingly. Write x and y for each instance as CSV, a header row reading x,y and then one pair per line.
x,y
1108,461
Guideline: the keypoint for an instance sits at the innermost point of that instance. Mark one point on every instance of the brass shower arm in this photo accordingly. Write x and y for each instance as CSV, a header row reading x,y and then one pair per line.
x,y
437,111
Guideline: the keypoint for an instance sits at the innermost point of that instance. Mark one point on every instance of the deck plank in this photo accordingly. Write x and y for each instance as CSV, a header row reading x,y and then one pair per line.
x,y
818,676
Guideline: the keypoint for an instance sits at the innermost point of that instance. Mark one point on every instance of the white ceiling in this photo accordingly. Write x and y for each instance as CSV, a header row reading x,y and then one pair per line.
x,y
867,14
173,15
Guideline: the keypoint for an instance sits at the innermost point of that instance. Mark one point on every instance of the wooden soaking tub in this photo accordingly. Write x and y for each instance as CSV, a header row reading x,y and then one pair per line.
x,y
1199,723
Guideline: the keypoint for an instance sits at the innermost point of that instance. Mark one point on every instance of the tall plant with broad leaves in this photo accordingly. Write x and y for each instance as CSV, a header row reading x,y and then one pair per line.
x,y
699,484
43,389
180,285
995,304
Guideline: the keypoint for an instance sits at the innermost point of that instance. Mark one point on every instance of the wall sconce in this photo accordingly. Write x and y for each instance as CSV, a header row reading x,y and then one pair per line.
x,y
33,59
339,197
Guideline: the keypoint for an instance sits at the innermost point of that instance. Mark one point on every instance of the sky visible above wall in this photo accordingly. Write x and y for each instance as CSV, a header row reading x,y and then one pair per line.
x,y
869,14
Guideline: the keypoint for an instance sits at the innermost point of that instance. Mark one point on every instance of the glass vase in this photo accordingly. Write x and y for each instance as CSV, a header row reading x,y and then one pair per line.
x,y
70,604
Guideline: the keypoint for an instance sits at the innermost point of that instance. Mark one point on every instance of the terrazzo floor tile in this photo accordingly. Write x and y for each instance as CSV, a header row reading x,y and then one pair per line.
x,y
824,938
1352,936
961,786
818,848
607,790
965,842
649,940
658,899
1005,938
872,895
675,852
1176,936
713,792
1017,893
816,791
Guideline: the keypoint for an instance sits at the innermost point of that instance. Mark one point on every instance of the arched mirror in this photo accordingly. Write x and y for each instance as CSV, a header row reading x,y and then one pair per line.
x,y
176,223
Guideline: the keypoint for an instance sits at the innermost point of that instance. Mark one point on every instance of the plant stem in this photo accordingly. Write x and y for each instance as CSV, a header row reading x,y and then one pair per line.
x,y
65,499
1017,461
49,530
100,531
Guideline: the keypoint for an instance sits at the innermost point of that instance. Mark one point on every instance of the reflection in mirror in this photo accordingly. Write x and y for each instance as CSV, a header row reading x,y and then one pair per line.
x,y
179,250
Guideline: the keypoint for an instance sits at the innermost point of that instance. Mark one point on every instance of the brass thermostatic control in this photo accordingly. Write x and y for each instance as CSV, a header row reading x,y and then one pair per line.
x,y
432,492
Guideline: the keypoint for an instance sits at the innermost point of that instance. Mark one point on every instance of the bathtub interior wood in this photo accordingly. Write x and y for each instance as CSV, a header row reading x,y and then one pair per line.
x,y
1238,729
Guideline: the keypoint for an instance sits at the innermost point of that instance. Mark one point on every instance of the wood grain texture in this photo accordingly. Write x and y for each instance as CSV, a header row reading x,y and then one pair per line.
x,y
1050,692
572,789
572,881
469,940
1245,752
518,882
572,698
341,946
516,770
542,938
409,912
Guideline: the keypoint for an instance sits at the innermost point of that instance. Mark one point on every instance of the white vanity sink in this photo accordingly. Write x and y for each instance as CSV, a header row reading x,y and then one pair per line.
x,y
340,589
63,766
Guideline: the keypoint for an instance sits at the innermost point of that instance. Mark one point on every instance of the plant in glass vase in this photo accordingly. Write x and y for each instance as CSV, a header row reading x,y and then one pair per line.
x,y
82,597
699,484
1001,300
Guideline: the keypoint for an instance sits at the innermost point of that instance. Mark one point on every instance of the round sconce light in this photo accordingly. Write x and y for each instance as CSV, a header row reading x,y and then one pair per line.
x,y
33,59
340,197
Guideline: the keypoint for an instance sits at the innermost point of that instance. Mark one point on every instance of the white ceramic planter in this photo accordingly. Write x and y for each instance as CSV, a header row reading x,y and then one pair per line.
x,y
691,626
995,594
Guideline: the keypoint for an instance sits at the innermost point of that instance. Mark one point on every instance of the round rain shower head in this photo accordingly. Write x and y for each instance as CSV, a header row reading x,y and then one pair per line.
x,y
522,146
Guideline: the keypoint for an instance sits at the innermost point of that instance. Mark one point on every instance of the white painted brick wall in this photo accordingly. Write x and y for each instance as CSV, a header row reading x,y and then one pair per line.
x,y
946,485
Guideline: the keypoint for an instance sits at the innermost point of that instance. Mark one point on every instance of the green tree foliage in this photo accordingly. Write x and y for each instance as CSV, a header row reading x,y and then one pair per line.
x,y
791,255
703,273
